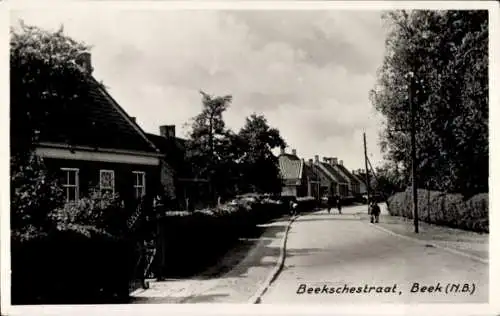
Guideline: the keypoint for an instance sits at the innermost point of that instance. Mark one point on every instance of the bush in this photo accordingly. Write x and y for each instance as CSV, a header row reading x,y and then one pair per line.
x,y
450,210
67,267
196,239
85,256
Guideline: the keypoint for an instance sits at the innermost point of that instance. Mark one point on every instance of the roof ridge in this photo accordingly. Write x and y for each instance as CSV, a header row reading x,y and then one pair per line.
x,y
123,113
325,166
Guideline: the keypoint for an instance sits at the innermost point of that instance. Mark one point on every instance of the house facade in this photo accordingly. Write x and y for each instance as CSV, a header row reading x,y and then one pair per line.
x,y
291,170
358,174
338,184
353,182
101,148
182,190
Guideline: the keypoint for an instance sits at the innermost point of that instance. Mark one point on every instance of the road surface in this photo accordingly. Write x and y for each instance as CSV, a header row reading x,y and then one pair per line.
x,y
332,258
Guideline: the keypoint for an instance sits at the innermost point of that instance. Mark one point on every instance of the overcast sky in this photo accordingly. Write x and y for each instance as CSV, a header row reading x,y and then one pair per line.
x,y
308,72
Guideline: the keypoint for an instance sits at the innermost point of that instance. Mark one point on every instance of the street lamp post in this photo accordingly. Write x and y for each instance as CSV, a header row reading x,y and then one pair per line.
x,y
413,152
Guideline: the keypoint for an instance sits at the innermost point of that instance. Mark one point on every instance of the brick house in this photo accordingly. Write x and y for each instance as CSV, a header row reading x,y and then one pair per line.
x,y
299,178
293,177
358,174
353,182
103,148
334,183
179,186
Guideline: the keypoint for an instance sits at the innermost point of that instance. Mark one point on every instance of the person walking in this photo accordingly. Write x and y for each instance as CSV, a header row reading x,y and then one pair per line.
x,y
375,212
329,203
339,204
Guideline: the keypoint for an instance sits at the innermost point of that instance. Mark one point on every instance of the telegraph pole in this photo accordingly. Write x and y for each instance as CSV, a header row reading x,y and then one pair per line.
x,y
413,155
366,174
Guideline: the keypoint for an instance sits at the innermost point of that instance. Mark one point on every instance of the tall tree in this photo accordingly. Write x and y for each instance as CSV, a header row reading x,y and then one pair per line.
x,y
260,167
44,81
210,143
445,53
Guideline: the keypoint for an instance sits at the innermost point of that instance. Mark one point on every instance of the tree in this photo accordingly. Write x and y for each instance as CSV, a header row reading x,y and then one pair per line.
x,y
445,54
44,82
260,167
388,180
210,147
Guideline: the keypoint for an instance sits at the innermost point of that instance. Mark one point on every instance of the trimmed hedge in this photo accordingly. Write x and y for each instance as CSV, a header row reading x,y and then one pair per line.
x,y
67,267
444,209
195,240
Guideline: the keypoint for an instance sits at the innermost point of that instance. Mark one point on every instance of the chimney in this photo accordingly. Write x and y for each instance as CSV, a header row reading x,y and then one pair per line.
x,y
133,118
167,131
84,60
333,161
294,152
282,150
341,162
316,158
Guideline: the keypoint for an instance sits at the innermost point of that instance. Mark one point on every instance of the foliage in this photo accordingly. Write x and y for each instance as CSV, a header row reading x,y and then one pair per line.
x,y
34,193
444,209
387,180
260,166
45,82
233,163
103,213
210,145
443,56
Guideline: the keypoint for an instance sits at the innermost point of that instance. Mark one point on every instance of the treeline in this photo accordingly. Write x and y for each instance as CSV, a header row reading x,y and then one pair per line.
x,y
445,53
234,163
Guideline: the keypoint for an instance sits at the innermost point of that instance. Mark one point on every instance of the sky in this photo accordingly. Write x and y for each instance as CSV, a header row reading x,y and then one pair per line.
x,y
308,72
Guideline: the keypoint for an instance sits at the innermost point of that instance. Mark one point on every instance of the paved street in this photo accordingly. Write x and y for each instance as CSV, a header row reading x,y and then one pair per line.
x,y
335,252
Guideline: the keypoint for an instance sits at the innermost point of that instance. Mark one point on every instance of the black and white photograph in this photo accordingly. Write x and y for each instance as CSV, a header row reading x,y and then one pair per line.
x,y
285,155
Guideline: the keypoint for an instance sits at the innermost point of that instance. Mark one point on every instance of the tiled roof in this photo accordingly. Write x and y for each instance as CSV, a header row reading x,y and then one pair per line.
x,y
95,121
291,168
324,177
331,170
344,170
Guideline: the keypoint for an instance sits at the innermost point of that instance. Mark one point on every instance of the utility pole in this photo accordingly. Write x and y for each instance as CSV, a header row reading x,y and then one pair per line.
x,y
366,173
413,155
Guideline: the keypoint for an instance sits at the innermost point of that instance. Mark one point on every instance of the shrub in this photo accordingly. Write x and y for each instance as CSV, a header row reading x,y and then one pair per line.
x,y
84,255
450,210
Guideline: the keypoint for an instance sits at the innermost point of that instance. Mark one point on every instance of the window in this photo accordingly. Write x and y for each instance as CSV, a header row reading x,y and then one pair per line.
x,y
70,184
139,184
107,181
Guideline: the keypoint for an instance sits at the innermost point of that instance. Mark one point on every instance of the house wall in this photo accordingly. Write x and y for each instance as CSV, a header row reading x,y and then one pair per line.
x,y
124,178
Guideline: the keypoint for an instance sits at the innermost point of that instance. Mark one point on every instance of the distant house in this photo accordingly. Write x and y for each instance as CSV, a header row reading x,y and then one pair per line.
x,y
361,179
337,183
293,177
353,182
313,179
97,146
179,185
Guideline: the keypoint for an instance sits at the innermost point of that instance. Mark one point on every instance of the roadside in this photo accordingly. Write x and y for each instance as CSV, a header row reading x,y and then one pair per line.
x,y
471,243
234,279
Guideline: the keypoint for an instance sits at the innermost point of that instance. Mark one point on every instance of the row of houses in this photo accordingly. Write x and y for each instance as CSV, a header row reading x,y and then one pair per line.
x,y
319,178
105,149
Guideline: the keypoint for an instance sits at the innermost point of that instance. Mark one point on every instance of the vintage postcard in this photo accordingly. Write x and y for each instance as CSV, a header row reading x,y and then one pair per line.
x,y
297,157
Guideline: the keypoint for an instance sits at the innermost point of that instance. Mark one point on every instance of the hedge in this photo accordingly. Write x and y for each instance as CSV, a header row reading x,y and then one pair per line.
x,y
194,240
84,264
444,209
66,267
